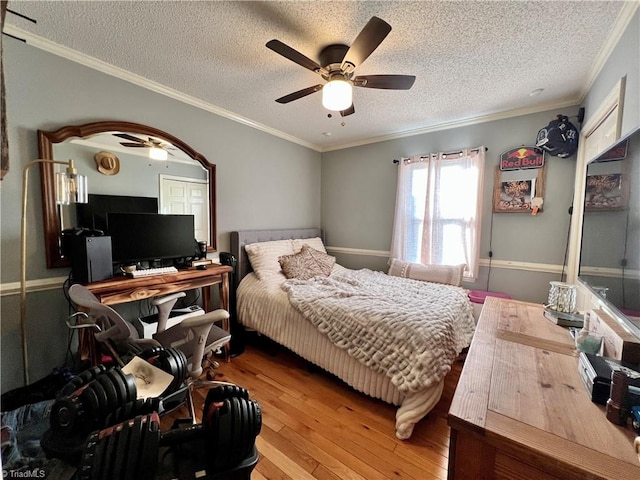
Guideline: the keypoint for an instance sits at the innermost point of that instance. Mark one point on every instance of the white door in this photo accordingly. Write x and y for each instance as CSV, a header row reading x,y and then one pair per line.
x,y
180,195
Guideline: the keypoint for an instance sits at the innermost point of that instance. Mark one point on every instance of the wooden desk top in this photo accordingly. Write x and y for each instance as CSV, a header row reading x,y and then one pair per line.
x,y
125,289
520,391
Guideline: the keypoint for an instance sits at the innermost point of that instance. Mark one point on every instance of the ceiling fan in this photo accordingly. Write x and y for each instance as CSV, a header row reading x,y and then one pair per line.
x,y
151,143
337,65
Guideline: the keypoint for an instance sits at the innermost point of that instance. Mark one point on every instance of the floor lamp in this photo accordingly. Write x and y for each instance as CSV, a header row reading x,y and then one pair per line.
x,y
70,188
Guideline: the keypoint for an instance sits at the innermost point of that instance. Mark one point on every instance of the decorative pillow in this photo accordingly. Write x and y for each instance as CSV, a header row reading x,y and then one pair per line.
x,y
448,274
264,256
307,263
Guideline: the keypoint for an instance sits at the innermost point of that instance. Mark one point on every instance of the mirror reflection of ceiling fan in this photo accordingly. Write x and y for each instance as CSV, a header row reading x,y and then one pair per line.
x,y
136,142
337,65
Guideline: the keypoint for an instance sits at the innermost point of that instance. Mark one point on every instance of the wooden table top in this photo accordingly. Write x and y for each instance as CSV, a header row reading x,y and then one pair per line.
x,y
126,289
520,385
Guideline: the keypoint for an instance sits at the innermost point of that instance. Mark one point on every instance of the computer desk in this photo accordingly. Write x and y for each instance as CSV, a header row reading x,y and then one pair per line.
x,y
123,289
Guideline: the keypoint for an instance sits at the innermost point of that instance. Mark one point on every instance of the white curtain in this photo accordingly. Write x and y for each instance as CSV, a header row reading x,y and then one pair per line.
x,y
438,205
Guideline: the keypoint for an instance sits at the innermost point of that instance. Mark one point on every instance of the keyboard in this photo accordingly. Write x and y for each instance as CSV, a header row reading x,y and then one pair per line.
x,y
152,271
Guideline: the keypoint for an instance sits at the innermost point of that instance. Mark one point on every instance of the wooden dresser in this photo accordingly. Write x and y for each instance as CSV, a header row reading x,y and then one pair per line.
x,y
521,411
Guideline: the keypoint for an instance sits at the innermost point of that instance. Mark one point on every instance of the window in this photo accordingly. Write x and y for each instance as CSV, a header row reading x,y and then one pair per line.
x,y
438,202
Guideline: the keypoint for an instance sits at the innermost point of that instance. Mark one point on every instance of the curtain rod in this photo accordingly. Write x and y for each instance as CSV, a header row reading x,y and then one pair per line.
x,y
396,161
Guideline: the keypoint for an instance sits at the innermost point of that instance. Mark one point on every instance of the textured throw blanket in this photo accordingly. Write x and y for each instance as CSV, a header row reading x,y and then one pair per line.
x,y
407,329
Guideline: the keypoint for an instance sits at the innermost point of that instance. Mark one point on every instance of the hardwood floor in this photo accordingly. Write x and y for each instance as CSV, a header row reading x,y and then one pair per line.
x,y
316,427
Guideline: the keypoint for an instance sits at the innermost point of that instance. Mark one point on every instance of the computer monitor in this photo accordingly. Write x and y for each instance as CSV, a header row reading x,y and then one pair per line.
x,y
93,214
146,236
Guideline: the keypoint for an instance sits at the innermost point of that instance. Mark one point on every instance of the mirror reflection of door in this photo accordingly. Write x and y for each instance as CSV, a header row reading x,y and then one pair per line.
x,y
179,195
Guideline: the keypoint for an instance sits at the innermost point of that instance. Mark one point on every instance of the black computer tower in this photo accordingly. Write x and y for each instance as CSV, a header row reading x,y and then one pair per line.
x,y
90,258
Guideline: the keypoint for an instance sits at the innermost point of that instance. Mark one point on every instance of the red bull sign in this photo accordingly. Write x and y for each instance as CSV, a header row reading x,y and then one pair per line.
x,y
521,158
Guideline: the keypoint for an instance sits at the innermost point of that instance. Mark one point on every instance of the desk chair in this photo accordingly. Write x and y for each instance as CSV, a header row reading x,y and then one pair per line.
x,y
167,319
195,336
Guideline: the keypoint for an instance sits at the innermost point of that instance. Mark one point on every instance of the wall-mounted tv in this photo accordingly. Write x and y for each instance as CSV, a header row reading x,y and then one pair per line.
x,y
93,214
146,236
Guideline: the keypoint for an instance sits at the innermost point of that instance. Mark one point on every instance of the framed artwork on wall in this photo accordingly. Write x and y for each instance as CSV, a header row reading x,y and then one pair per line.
x,y
516,195
513,192
604,192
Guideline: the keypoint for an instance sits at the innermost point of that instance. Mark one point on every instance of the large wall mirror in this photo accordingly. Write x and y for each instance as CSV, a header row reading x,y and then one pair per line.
x,y
610,250
116,158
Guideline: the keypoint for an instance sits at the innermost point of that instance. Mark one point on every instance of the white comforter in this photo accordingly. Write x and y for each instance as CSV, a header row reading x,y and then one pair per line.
x,y
409,330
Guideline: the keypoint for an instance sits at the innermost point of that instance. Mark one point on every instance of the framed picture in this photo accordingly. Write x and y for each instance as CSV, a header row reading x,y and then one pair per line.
x,y
514,194
604,192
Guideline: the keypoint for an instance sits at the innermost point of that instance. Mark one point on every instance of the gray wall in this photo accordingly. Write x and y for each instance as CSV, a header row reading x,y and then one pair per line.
x,y
365,179
262,181
624,60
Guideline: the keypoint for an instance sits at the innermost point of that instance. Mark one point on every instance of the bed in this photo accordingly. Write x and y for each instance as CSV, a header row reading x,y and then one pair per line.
x,y
264,304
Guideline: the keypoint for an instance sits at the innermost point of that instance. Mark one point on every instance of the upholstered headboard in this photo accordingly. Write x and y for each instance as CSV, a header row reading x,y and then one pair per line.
x,y
244,237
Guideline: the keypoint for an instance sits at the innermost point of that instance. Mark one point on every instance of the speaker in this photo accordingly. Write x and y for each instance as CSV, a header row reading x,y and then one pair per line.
x,y
90,258
202,250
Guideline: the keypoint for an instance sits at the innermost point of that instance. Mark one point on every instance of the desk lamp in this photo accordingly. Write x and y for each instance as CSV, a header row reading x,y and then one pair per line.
x,y
70,187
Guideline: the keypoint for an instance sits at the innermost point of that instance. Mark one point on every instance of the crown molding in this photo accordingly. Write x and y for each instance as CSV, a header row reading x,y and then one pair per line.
x,y
460,123
107,68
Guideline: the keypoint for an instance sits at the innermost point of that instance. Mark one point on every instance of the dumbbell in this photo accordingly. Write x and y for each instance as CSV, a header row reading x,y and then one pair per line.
x,y
131,448
85,402
128,450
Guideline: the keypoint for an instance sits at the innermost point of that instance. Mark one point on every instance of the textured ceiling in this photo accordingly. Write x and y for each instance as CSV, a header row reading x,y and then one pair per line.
x,y
472,59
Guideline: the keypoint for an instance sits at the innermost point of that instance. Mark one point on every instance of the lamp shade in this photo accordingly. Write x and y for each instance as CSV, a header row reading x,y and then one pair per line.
x,y
337,95
71,188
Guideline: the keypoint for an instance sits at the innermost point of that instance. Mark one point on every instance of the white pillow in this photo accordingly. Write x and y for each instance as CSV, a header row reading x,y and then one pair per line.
x,y
315,243
264,256
447,274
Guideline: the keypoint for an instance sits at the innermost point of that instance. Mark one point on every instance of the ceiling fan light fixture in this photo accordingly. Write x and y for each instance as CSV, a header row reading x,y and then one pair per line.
x,y
337,95
157,153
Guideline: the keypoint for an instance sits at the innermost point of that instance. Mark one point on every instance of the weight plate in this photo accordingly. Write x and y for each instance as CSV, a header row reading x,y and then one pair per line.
x,y
134,447
109,458
149,449
91,406
102,401
119,387
122,451
130,387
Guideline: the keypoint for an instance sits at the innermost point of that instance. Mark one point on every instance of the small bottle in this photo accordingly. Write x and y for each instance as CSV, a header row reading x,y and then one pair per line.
x,y
617,408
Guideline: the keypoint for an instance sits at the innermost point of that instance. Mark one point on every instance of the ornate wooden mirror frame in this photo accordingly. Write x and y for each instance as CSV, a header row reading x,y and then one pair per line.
x,y
51,217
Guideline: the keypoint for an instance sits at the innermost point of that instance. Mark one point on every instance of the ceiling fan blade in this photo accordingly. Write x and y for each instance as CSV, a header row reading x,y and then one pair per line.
x,y
293,55
388,82
372,35
299,94
127,144
126,136
348,111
